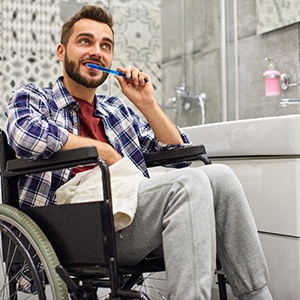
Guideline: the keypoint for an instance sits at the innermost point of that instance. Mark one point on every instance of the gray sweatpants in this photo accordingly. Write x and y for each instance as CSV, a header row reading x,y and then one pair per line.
x,y
187,211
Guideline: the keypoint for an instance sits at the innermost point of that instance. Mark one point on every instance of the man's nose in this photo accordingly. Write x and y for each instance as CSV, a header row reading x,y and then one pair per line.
x,y
95,50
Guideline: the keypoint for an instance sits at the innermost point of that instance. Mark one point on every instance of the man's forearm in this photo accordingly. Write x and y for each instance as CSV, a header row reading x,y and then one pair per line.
x,y
105,151
164,129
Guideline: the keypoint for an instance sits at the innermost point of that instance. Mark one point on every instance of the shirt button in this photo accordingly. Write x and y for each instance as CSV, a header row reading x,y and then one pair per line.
x,y
75,124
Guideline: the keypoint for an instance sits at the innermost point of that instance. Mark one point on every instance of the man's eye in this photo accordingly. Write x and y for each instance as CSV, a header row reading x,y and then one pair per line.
x,y
106,46
84,41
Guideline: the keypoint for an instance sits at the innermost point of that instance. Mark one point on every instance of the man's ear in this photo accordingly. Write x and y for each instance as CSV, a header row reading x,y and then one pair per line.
x,y
60,52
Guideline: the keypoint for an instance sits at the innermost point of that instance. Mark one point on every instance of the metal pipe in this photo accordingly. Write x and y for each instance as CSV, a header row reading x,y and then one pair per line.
x,y
285,102
183,43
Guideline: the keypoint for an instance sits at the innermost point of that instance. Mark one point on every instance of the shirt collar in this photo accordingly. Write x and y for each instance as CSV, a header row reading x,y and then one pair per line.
x,y
100,105
62,96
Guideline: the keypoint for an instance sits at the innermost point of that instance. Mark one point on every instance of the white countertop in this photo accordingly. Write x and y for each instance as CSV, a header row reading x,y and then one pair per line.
x,y
262,136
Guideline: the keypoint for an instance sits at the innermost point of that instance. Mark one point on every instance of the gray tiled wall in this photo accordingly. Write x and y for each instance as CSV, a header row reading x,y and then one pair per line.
x,y
203,63
283,46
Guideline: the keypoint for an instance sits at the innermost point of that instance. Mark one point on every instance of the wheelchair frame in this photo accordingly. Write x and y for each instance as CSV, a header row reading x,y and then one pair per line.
x,y
69,266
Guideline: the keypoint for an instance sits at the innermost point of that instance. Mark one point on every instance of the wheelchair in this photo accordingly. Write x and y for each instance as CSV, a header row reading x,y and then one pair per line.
x,y
69,251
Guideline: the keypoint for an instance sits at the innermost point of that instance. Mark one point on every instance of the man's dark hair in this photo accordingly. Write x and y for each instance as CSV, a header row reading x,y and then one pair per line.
x,y
92,12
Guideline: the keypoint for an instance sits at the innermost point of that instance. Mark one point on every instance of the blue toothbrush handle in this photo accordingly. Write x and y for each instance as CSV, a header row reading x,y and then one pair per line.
x,y
110,71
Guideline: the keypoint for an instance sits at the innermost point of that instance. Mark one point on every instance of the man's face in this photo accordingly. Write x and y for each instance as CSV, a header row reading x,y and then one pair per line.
x,y
90,42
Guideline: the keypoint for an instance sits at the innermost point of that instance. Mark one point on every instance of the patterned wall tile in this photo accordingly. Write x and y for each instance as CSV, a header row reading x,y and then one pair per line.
x,y
42,71
1,27
69,8
137,34
141,4
27,52
18,70
138,41
26,29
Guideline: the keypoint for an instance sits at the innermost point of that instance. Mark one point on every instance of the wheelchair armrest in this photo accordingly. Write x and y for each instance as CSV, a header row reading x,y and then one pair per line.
x,y
59,160
89,155
177,155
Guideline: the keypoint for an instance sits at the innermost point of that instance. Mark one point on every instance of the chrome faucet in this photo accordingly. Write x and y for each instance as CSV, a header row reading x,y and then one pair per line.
x,y
185,100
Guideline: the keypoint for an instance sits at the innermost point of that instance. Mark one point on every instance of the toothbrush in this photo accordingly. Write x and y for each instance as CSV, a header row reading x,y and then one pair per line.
x,y
110,71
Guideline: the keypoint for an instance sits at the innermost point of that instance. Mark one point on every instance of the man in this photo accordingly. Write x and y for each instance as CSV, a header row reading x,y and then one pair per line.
x,y
189,212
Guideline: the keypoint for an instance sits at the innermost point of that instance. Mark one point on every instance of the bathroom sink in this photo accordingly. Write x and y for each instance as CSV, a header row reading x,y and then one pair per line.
x,y
261,136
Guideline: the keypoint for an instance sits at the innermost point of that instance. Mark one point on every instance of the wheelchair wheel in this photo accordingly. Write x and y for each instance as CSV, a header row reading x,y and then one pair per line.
x,y
27,260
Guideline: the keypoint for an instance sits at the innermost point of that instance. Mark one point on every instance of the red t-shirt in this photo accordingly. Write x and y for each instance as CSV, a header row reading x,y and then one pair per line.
x,y
90,126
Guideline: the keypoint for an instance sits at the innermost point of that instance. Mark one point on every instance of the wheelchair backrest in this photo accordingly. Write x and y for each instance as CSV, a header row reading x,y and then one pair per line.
x,y
9,186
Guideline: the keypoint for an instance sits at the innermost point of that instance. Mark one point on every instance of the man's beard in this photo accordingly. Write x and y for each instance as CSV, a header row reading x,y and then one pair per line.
x,y
74,73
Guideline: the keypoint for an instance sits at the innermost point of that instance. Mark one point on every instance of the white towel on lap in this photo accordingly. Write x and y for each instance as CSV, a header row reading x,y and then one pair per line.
x,y
87,186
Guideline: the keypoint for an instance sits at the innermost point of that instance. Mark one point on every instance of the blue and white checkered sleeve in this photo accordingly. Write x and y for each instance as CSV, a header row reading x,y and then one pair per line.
x,y
31,131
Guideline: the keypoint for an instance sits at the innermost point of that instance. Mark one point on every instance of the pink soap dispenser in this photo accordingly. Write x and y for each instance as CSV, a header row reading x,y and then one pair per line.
x,y
272,84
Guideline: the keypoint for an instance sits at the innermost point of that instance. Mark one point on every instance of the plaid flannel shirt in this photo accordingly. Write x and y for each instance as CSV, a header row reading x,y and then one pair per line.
x,y
38,124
